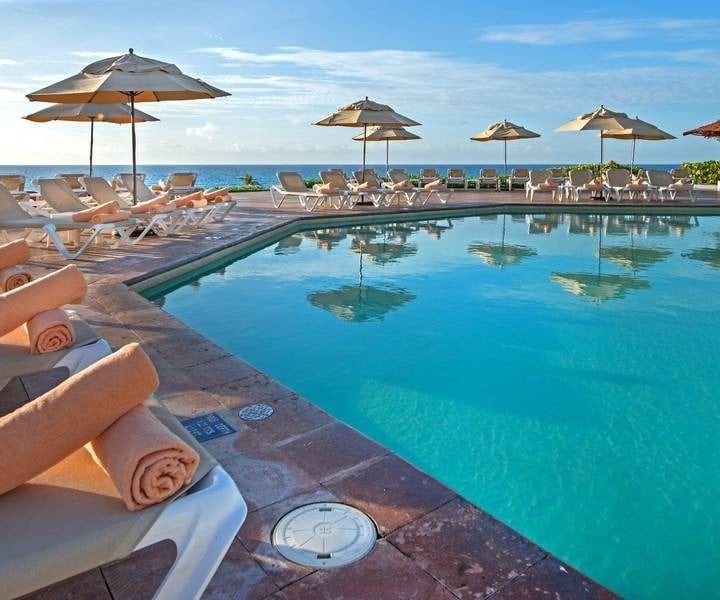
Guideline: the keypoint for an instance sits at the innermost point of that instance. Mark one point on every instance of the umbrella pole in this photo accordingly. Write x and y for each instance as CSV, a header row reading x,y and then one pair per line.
x,y
364,151
601,151
505,168
134,144
387,155
632,160
92,132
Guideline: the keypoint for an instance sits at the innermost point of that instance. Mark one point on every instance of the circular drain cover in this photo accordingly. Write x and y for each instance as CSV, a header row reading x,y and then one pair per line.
x,y
324,534
256,412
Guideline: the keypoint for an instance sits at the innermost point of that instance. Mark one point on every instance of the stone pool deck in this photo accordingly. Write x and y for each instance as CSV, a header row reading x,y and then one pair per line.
x,y
432,543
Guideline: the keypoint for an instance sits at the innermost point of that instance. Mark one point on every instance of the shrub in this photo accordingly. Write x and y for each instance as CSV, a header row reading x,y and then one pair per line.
x,y
704,172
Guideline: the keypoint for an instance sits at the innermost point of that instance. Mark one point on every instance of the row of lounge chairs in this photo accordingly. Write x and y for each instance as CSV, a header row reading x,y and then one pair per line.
x,y
111,215
338,191
66,504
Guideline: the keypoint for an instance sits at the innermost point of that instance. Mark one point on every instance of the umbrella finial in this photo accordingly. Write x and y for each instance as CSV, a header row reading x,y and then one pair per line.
x,y
131,51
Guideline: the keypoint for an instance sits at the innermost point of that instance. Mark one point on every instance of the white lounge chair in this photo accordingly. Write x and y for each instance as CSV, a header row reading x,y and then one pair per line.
x,y
541,182
118,181
421,194
15,184
178,184
73,180
580,181
489,177
13,218
428,175
518,177
292,185
667,187
619,182
456,177
379,194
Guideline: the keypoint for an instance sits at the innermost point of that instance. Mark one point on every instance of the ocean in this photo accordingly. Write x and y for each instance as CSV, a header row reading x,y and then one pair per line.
x,y
222,175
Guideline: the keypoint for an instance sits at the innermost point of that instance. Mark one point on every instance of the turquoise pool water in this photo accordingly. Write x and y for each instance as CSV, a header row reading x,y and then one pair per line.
x,y
560,371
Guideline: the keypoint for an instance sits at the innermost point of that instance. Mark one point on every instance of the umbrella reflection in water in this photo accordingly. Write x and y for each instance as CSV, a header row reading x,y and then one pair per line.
x,y
502,254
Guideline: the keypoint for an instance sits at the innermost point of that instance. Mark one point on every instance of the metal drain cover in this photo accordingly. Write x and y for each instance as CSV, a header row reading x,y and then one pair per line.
x,y
255,412
324,534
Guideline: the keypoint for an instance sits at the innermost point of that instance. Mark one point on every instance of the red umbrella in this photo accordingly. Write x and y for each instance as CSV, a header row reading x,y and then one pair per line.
x,y
711,130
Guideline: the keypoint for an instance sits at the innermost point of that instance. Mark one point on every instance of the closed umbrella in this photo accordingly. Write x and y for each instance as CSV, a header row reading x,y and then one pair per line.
x,y
107,113
504,132
601,119
365,113
387,135
640,130
127,78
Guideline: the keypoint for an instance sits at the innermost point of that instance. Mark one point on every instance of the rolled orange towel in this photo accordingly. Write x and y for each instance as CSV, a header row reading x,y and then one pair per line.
x,y
41,433
50,331
146,461
405,184
65,286
14,253
13,277
187,200
327,188
434,185
160,208
216,195
365,186
201,203
143,207
85,216
114,217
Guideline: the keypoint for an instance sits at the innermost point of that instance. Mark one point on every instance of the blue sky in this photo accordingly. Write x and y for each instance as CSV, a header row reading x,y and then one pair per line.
x,y
454,66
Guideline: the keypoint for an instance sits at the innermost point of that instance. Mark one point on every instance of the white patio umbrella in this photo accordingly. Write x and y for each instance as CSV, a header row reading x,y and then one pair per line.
x,y
387,135
107,113
640,130
598,119
504,132
365,113
127,78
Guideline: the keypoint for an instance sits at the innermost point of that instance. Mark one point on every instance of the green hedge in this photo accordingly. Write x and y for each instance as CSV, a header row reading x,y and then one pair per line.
x,y
704,172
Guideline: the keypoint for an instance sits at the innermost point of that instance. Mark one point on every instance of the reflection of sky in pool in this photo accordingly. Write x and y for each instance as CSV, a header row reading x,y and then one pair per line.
x,y
559,371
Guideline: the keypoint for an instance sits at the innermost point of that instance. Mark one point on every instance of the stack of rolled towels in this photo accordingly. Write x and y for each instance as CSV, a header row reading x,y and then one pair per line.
x,y
100,409
33,315
12,273
108,212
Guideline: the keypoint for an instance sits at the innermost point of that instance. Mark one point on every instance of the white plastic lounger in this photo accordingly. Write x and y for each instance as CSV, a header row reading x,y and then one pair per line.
x,y
538,182
14,218
420,194
292,185
668,187
379,194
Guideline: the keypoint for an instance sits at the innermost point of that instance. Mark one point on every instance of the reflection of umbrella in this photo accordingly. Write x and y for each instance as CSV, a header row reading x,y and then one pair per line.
x,y
602,119
504,132
361,302
383,253
289,245
710,256
362,114
387,135
711,130
633,257
599,287
126,78
108,113
327,239
640,130
502,254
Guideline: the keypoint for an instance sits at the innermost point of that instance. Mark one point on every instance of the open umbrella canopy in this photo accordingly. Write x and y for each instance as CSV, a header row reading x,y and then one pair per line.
x,y
383,253
501,255
639,130
505,131
711,130
364,113
359,303
599,287
382,133
600,118
634,257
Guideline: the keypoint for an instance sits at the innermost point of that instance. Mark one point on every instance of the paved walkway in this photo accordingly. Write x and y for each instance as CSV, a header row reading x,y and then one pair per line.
x,y
432,543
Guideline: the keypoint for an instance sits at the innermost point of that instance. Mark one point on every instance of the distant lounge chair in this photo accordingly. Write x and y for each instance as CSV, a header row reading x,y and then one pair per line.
x,y
378,193
292,185
681,174
518,177
489,177
428,175
15,184
423,194
541,181
667,187
619,182
73,180
178,184
582,180
118,180
14,218
558,175
456,177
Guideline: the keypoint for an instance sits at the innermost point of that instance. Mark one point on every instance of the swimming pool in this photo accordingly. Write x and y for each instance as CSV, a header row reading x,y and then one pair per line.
x,y
557,370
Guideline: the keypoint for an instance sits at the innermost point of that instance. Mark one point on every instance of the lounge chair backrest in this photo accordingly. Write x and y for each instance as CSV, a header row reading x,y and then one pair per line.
x,y
292,181
141,189
58,194
371,177
72,179
488,173
9,208
557,172
456,173
659,178
119,178
520,173
680,173
13,183
335,178
181,179
579,177
427,173
539,176
397,175
102,192
617,177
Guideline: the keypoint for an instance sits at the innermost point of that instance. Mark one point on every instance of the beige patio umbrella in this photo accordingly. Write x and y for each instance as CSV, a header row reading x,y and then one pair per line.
x,y
365,113
381,133
127,78
107,113
640,130
601,119
504,132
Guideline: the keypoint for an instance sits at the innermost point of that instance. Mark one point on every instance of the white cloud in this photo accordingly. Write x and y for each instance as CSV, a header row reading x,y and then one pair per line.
x,y
94,55
205,131
598,30
697,55
8,62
